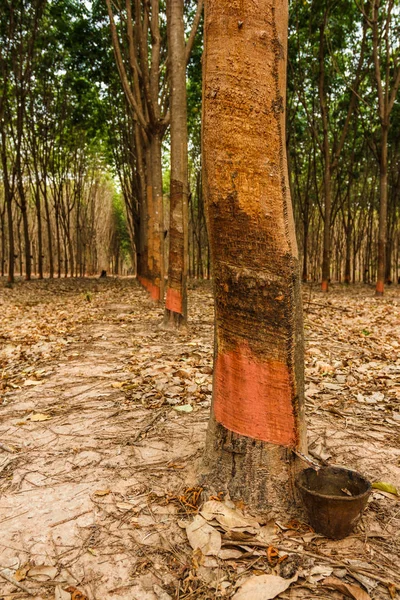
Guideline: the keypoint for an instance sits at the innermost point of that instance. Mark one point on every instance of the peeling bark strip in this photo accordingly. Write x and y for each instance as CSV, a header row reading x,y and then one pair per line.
x,y
253,398
257,410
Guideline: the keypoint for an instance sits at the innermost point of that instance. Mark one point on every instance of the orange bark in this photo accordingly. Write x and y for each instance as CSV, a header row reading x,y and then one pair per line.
x,y
253,397
154,290
380,287
324,285
173,301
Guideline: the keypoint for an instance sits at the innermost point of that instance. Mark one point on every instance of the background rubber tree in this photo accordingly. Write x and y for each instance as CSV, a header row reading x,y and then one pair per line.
x,y
257,409
178,56
141,55
176,299
383,19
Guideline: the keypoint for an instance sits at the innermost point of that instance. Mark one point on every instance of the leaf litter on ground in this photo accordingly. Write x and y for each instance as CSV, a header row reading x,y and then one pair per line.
x,y
110,376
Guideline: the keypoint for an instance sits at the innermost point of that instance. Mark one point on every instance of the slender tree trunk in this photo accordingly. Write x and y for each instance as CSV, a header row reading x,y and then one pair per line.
x,y
304,275
49,235
257,408
147,276
21,268
142,240
11,244
383,196
8,197
39,231
3,241
58,240
157,291
27,242
326,253
349,241
347,268
176,300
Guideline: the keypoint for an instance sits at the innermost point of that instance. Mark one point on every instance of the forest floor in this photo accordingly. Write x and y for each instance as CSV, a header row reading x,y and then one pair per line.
x,y
102,426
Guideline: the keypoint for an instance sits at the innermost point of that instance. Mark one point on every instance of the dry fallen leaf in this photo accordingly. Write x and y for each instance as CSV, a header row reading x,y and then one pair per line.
x,y
263,587
31,382
187,408
348,589
39,417
75,593
42,572
319,572
124,506
229,518
204,537
20,574
60,594
102,492
230,553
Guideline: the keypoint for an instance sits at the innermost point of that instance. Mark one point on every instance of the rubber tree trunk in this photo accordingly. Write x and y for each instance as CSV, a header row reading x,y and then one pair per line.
x,y
11,243
326,252
49,234
349,243
176,299
8,197
383,196
141,239
27,242
3,242
153,280
39,229
257,408
304,275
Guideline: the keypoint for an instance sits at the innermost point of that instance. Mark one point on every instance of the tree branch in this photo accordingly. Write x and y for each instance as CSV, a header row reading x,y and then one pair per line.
x,y
121,69
193,31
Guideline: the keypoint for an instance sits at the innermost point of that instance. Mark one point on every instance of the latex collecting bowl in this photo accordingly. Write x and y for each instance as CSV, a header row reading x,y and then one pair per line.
x,y
334,498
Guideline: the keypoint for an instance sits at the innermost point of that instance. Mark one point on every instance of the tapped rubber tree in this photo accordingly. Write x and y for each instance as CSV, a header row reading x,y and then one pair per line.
x,y
257,410
178,54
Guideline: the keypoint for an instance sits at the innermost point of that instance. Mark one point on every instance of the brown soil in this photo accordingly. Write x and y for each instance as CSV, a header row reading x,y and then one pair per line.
x,y
98,464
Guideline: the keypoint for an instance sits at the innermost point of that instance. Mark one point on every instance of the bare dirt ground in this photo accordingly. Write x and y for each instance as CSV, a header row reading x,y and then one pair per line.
x,y
102,423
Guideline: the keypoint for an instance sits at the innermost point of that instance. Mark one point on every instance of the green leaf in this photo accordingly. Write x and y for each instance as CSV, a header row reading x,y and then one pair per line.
x,y
385,487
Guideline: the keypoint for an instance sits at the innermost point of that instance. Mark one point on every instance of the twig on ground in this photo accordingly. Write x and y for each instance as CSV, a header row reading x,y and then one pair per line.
x,y
322,557
85,512
17,584
14,516
145,429
6,448
340,308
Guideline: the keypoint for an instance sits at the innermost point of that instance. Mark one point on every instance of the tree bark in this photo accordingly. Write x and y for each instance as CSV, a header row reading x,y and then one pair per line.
x,y
326,252
387,84
158,213
383,197
257,409
49,233
8,197
176,300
